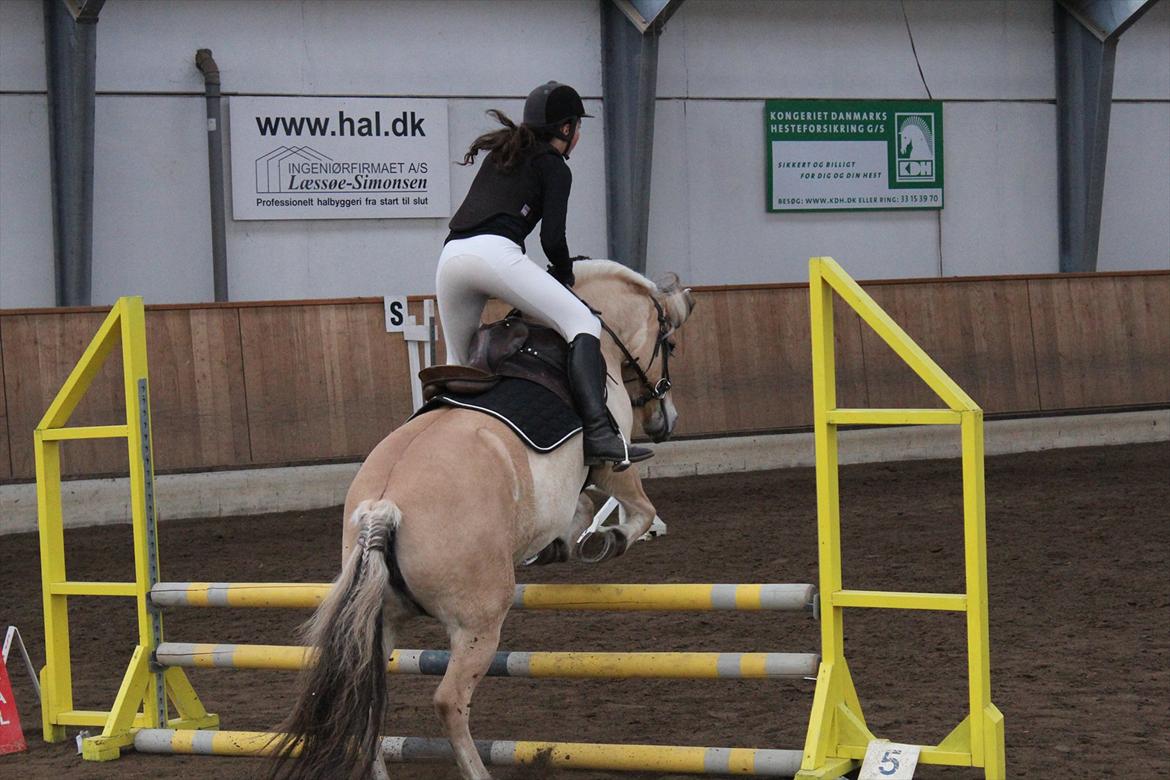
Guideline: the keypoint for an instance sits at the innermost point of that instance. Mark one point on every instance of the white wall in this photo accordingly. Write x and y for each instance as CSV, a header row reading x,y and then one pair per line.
x,y
990,61
26,222
1135,213
151,214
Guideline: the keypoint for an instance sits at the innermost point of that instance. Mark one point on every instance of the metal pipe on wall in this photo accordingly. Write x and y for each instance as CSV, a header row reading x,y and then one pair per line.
x,y
71,65
629,81
1086,33
629,71
207,66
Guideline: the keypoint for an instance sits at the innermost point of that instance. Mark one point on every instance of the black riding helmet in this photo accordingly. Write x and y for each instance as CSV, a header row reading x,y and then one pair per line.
x,y
551,105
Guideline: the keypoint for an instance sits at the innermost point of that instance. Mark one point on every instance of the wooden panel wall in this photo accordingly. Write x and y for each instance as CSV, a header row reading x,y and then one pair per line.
x,y
198,404
1102,341
196,386
40,349
744,361
979,332
5,443
236,385
322,381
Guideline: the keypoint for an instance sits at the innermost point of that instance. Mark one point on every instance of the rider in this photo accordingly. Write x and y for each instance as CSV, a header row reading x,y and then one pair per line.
x,y
522,181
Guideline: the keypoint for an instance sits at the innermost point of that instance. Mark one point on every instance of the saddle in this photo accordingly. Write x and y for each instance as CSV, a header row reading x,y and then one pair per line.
x,y
511,347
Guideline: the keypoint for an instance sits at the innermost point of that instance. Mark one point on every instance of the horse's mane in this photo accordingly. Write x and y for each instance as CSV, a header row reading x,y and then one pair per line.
x,y
589,269
676,300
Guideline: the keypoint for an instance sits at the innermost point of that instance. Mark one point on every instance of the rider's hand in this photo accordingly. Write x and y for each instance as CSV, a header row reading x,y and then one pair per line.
x,y
563,274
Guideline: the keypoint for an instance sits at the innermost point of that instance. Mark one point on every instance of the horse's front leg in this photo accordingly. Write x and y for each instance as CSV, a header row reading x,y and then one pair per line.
x,y
636,517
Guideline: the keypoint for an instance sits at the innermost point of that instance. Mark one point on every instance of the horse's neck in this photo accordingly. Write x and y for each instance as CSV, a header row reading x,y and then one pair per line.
x,y
620,308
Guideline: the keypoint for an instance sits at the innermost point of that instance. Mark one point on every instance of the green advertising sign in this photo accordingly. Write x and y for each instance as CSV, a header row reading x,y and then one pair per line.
x,y
844,155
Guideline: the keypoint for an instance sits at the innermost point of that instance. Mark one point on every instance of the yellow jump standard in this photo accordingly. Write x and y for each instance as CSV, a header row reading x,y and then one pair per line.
x,y
837,733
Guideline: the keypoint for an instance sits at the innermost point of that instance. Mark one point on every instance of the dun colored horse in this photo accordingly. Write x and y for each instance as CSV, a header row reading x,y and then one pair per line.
x,y
438,517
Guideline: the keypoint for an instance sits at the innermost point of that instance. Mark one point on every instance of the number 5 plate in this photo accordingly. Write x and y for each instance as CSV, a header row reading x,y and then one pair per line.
x,y
889,761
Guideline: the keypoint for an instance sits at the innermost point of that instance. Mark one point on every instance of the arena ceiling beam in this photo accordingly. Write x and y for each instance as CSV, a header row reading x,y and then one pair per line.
x,y
629,43
84,9
70,54
1086,50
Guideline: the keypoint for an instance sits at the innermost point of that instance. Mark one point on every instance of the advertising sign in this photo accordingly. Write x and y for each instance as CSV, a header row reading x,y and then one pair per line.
x,y
339,158
833,155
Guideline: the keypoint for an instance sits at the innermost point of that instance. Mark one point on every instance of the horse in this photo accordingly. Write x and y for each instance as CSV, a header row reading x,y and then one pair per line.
x,y
437,519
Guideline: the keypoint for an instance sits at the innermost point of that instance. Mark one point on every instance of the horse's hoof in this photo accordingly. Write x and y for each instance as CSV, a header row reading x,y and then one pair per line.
x,y
600,546
556,552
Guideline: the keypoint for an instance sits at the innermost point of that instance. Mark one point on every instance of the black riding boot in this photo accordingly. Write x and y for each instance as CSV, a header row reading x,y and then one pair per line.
x,y
603,443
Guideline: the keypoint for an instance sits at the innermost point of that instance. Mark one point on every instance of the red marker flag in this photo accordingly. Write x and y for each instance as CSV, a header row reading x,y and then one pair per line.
x,y
11,737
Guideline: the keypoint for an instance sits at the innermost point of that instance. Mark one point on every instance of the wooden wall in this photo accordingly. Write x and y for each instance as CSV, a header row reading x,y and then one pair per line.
x,y
258,384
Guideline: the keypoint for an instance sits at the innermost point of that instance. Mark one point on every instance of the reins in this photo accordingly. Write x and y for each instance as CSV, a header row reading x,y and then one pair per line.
x,y
652,390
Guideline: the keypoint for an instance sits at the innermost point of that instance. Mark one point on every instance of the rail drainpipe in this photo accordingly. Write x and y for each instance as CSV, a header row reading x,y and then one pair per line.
x,y
206,64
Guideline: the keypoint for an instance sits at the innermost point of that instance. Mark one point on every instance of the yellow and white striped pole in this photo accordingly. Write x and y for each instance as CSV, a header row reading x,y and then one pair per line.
x,y
560,665
608,598
662,759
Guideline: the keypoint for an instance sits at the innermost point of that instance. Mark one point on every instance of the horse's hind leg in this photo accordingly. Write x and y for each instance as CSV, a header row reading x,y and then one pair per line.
x,y
472,651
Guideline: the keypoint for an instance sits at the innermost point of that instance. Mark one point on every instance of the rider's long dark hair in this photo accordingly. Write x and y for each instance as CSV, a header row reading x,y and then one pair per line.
x,y
511,144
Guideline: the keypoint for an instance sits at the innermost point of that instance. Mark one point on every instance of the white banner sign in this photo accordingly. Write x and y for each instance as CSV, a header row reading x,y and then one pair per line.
x,y
339,158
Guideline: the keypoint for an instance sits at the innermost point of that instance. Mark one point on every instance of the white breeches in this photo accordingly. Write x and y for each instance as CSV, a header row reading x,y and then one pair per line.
x,y
471,270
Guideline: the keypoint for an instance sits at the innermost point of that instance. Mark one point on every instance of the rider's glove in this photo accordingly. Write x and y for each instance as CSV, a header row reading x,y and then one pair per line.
x,y
563,274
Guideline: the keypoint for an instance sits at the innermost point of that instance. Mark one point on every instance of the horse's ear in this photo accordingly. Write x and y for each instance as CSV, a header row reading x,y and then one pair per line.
x,y
678,300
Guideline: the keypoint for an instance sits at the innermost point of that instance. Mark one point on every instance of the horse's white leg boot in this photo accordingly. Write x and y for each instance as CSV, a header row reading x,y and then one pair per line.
x,y
472,652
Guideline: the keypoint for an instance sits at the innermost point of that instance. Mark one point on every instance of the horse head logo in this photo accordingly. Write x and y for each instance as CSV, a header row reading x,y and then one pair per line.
x,y
915,139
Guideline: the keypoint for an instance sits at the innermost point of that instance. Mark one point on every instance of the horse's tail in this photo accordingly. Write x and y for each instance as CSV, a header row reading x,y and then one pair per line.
x,y
341,699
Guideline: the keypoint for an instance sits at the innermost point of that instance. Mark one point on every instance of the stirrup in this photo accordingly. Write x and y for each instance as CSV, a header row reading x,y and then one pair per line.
x,y
637,455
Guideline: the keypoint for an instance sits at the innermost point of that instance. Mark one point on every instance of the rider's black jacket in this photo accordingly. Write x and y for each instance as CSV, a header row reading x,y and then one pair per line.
x,y
509,204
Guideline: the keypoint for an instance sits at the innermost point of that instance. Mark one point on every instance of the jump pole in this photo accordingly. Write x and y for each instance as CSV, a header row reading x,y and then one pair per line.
x,y
601,597
566,755
543,664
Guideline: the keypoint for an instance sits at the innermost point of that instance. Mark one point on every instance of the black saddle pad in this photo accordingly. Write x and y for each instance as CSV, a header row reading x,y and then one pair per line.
x,y
538,416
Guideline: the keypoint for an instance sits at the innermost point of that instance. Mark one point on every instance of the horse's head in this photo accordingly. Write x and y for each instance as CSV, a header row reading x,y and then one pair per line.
x,y
643,317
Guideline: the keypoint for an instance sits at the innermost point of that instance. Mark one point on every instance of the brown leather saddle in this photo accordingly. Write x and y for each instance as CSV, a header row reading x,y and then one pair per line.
x,y
511,347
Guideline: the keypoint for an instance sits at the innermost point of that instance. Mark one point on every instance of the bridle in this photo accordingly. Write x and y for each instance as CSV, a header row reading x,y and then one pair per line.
x,y
652,391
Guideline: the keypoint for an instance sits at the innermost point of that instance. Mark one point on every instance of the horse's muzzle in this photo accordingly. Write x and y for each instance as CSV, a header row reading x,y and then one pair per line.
x,y
660,425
